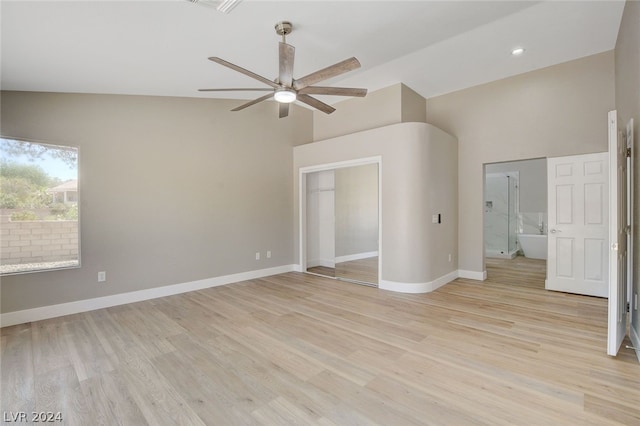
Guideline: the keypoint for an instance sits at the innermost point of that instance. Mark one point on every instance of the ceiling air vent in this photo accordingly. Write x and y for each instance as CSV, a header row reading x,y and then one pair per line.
x,y
224,6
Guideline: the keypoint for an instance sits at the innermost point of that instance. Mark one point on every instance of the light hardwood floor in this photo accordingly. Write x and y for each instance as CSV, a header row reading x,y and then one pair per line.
x,y
296,348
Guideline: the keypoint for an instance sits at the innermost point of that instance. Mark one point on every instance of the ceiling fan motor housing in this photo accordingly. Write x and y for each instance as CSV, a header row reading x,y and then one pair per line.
x,y
284,28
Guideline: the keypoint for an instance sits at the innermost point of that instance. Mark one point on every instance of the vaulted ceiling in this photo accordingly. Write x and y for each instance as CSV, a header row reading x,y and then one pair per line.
x,y
161,47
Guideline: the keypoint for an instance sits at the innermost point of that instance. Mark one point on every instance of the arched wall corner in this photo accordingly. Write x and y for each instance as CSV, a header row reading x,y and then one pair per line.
x,y
419,196
427,287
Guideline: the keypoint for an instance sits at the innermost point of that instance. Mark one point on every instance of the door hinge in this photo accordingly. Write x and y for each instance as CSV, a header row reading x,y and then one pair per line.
x,y
628,152
628,307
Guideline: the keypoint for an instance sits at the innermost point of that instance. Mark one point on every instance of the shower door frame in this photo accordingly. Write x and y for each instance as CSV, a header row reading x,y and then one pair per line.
x,y
509,175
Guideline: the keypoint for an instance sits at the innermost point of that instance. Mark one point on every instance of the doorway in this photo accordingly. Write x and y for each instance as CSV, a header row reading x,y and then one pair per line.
x,y
515,209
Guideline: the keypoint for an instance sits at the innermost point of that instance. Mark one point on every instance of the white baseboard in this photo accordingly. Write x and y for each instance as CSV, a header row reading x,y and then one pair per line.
x,y
52,311
472,275
357,256
635,340
426,287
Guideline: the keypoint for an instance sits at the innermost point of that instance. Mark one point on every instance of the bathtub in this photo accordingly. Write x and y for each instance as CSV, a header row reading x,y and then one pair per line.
x,y
533,245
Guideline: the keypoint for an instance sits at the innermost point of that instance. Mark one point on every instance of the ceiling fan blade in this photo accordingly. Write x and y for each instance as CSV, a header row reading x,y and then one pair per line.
x,y
244,71
335,91
284,110
325,73
253,102
262,89
287,54
328,109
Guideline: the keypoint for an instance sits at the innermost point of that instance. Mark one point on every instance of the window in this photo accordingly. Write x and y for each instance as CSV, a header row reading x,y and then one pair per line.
x,y
39,217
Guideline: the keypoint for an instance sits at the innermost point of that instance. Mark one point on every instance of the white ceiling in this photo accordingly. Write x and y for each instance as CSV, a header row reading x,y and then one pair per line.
x,y
161,47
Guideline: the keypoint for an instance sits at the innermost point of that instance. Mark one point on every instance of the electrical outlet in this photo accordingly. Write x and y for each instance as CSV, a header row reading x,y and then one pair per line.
x,y
268,254
449,257
102,276
257,255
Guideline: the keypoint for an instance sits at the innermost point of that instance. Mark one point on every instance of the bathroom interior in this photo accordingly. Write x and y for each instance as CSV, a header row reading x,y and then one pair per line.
x,y
515,209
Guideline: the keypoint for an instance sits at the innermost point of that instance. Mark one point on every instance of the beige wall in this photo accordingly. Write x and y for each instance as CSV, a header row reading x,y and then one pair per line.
x,y
419,178
172,189
627,62
379,108
555,111
532,182
391,105
413,106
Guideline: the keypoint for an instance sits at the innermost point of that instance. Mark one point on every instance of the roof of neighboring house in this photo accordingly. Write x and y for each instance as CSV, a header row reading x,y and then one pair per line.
x,y
70,185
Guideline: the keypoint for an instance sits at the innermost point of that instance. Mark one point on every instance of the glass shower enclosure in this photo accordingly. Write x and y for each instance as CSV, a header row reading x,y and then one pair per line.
x,y
501,214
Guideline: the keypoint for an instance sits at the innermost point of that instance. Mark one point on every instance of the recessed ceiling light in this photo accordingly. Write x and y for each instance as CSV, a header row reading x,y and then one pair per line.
x,y
517,51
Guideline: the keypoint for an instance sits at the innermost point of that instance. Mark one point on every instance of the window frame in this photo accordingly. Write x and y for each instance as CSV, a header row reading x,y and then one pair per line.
x,y
78,261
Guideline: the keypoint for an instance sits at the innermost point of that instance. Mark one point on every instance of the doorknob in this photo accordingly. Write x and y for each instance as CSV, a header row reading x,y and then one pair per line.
x,y
553,231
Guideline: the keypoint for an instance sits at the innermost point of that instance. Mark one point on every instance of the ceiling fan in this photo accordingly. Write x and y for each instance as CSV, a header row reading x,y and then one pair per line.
x,y
285,89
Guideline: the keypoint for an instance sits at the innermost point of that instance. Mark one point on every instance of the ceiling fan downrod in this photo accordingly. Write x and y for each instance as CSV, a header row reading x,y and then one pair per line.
x,y
284,28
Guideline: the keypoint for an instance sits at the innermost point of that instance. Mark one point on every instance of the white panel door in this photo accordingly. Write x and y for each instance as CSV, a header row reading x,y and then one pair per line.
x,y
618,232
578,237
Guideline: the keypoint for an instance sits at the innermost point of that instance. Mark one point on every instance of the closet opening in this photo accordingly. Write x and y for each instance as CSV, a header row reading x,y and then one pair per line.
x,y
340,219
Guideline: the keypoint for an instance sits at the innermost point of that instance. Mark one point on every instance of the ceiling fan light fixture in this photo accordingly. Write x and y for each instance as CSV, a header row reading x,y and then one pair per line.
x,y
285,96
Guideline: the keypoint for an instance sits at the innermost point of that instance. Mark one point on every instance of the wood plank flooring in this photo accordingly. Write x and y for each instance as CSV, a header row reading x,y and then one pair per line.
x,y
302,349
